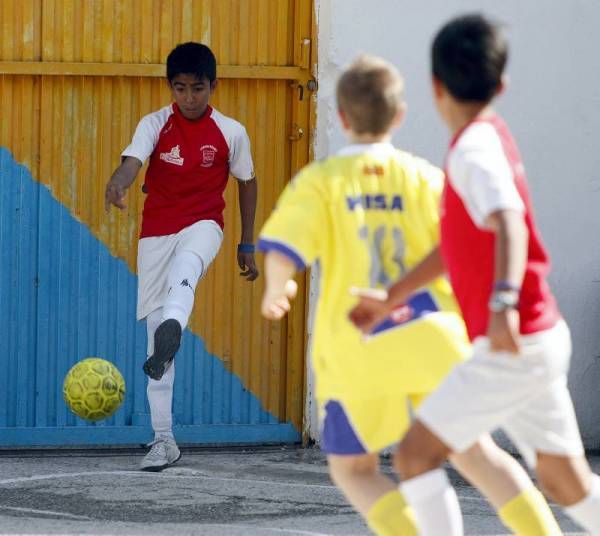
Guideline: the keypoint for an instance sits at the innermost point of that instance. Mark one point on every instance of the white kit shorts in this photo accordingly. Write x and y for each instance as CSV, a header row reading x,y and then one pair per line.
x,y
156,253
525,395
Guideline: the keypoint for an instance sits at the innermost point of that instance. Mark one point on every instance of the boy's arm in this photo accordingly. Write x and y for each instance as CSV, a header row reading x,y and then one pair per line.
x,y
247,193
430,268
512,240
133,157
483,177
121,180
292,238
375,305
280,287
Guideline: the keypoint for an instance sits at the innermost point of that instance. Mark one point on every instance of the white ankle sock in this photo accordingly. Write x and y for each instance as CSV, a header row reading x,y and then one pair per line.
x,y
587,511
434,503
164,435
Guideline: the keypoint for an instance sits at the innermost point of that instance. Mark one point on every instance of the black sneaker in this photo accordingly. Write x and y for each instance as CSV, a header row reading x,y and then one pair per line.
x,y
167,339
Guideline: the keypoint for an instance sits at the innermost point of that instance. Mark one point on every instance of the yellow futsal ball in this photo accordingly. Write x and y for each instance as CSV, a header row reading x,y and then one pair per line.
x,y
94,389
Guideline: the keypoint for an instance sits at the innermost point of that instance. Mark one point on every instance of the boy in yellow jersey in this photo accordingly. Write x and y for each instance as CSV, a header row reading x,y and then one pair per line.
x,y
366,216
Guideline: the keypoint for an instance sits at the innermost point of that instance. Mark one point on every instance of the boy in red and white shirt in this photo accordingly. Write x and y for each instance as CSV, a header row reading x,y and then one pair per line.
x,y
492,252
192,149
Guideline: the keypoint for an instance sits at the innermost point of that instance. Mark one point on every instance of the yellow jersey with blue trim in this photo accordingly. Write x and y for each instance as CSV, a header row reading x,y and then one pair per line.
x,y
363,218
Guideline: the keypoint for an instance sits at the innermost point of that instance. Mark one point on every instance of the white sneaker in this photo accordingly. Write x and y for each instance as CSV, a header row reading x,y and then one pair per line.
x,y
163,452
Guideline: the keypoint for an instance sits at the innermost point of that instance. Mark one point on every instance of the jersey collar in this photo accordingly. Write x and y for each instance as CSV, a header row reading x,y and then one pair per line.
x,y
177,112
361,148
489,117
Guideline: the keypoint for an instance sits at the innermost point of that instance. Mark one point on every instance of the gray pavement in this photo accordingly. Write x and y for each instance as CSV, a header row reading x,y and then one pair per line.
x,y
264,491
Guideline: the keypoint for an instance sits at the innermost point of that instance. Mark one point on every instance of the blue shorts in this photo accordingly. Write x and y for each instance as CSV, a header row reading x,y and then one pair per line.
x,y
362,426
337,434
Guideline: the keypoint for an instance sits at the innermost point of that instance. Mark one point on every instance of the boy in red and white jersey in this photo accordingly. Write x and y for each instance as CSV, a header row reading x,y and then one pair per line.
x,y
192,149
492,252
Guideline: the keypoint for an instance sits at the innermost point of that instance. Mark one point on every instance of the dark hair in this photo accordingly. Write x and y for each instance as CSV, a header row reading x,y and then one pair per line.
x,y
468,56
192,58
370,92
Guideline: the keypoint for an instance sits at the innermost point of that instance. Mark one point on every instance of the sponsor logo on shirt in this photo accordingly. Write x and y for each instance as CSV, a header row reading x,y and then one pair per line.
x,y
172,157
208,155
375,202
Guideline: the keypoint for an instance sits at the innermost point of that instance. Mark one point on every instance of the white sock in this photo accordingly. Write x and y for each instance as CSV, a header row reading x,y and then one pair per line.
x,y
160,393
184,273
434,503
587,511
160,400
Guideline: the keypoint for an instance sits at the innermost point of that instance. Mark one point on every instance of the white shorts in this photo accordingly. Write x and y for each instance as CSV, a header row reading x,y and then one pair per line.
x,y
156,253
525,395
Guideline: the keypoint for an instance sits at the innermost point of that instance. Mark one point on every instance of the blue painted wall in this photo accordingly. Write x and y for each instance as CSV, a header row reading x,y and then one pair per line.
x,y
64,297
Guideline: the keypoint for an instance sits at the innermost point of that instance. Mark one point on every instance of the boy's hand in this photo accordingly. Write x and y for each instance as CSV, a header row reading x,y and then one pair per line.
x,y
121,179
114,195
371,309
503,331
247,264
276,303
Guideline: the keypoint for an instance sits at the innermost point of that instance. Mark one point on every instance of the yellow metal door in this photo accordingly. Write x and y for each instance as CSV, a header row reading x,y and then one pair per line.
x,y
75,78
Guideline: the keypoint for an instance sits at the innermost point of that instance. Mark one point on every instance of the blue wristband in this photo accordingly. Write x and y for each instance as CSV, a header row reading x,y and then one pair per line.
x,y
246,248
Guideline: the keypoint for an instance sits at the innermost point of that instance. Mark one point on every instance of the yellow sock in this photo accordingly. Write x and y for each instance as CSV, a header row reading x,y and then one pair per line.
x,y
528,514
391,516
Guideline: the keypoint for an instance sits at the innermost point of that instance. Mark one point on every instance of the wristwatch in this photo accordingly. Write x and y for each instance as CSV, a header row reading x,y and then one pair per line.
x,y
501,300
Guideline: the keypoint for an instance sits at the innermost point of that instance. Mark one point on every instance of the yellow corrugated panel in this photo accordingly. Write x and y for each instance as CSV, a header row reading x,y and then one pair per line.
x,y
69,131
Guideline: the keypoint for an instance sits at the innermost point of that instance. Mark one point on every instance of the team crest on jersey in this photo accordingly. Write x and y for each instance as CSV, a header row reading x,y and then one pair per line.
x,y
208,155
173,156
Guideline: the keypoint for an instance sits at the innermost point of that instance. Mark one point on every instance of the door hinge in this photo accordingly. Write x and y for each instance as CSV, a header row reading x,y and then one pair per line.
x,y
311,85
296,86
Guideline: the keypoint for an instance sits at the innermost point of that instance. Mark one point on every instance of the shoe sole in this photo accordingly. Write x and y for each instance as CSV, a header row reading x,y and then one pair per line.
x,y
167,339
159,468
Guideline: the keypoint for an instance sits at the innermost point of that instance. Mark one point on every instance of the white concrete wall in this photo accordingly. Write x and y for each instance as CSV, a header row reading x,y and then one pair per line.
x,y
553,107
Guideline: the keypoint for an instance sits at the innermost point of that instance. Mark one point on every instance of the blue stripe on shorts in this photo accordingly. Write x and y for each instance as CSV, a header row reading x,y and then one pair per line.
x,y
337,435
